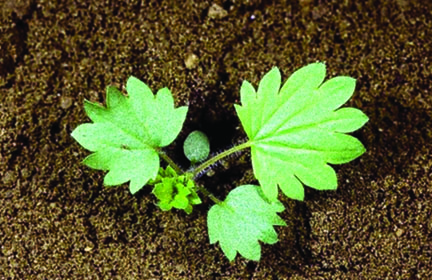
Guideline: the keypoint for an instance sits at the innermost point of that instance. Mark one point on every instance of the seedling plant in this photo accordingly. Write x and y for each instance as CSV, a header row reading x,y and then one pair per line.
x,y
294,132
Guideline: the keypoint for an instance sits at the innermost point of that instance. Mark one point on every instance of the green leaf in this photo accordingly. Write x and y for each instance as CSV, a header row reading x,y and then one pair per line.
x,y
196,147
295,131
243,219
124,136
174,190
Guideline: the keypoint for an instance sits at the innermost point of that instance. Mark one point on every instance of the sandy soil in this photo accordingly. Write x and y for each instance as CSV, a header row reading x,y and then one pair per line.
x,y
57,221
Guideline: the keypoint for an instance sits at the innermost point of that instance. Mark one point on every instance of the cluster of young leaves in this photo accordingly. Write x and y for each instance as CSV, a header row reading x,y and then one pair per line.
x,y
174,190
294,132
126,135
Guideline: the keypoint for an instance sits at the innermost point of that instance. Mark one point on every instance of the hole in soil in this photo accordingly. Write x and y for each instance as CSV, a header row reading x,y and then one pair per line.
x,y
54,131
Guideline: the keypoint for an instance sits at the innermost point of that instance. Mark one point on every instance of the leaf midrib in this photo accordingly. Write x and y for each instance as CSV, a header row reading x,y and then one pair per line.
x,y
303,109
117,126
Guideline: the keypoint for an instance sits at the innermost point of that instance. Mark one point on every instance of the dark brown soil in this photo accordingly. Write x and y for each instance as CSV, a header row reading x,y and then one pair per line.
x,y
57,221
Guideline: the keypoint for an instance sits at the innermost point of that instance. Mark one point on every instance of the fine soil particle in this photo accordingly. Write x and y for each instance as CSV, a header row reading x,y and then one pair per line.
x,y
57,220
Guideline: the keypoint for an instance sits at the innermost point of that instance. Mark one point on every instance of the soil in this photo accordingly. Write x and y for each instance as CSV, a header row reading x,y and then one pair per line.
x,y
58,221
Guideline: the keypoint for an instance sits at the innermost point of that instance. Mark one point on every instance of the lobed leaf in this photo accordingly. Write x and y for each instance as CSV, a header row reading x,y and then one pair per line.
x,y
243,219
296,131
124,136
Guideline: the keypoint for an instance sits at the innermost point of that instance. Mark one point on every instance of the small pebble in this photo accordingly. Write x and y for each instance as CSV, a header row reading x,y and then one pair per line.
x,y
65,102
25,173
191,61
399,232
217,12
9,177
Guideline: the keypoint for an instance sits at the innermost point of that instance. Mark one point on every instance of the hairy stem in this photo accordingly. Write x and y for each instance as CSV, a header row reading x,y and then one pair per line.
x,y
205,165
220,156
208,194
179,171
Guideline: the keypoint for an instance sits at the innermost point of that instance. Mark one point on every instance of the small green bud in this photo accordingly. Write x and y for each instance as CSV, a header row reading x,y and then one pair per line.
x,y
173,190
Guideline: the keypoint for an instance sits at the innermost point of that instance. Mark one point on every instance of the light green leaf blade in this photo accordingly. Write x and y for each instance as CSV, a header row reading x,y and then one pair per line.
x,y
126,134
156,114
243,219
295,133
196,147
344,120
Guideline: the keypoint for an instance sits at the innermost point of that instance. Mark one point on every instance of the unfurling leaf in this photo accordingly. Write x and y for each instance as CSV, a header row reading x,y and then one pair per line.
x,y
125,136
174,190
296,130
243,219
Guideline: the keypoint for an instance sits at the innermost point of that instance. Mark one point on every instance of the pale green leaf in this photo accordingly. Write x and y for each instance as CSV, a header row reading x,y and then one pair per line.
x,y
243,219
296,131
196,147
126,134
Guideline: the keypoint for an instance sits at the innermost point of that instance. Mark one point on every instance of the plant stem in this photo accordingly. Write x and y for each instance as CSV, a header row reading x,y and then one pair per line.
x,y
208,194
170,162
220,156
179,171
205,165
